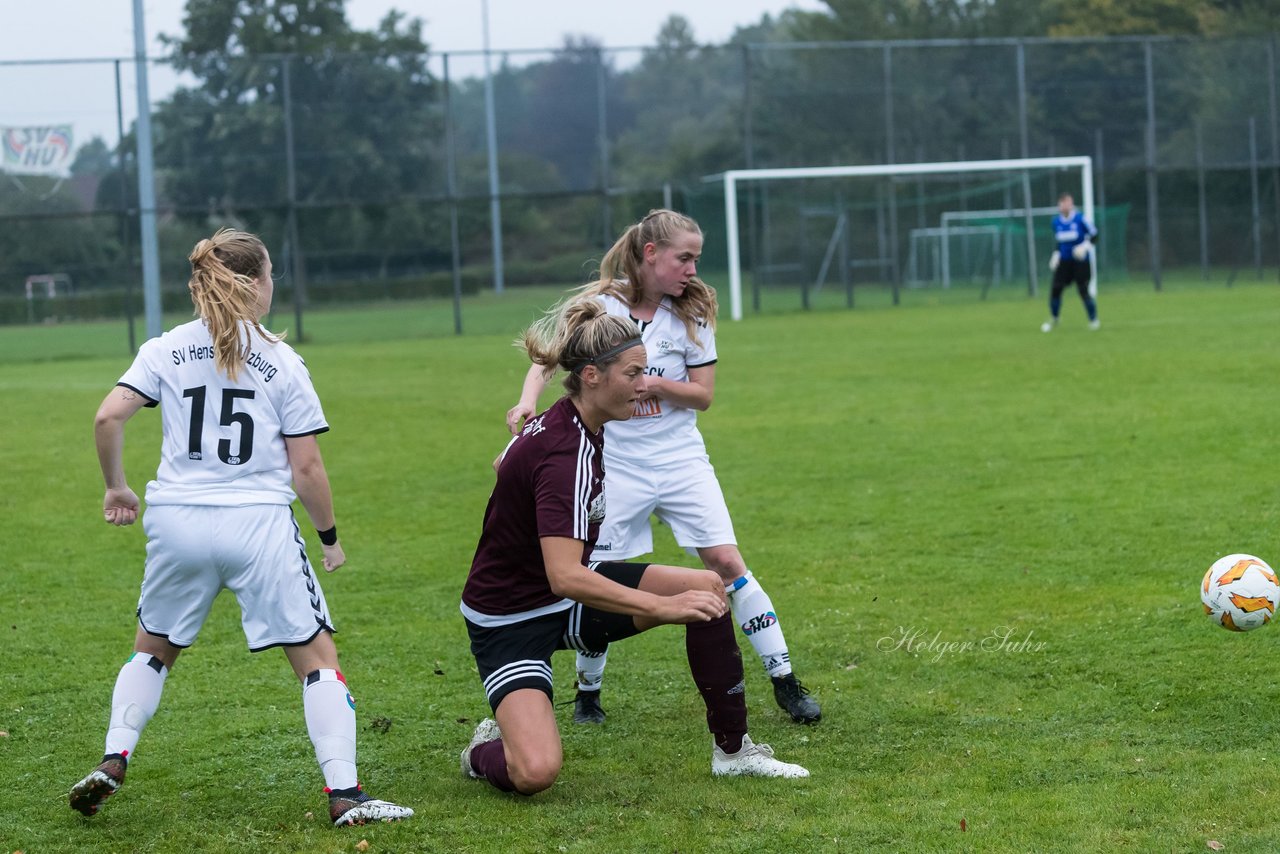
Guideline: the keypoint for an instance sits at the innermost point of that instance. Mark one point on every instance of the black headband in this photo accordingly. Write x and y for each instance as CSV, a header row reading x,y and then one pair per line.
x,y
612,351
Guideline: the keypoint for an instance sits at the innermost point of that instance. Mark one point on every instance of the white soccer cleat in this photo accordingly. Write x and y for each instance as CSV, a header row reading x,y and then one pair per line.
x,y
487,730
101,783
753,760
1095,324
359,808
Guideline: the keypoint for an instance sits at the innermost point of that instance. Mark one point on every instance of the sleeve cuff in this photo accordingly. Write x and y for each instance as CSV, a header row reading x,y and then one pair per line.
x,y
150,401
315,432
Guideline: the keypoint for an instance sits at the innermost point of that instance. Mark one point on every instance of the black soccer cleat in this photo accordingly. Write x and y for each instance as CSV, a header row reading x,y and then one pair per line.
x,y
793,698
101,783
587,709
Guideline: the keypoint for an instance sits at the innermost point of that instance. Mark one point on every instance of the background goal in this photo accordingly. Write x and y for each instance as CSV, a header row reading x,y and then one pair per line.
x,y
979,223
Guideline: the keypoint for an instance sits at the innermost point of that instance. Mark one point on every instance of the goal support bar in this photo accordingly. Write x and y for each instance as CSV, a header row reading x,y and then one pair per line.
x,y
735,176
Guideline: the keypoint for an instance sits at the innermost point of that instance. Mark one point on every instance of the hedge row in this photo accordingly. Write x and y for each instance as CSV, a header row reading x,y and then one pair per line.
x,y
105,304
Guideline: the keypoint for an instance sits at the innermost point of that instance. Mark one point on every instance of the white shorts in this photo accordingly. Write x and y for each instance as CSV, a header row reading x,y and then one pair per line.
x,y
685,495
256,552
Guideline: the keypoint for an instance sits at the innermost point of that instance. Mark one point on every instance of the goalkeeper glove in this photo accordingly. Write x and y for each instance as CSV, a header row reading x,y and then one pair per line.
x,y
1081,250
1054,260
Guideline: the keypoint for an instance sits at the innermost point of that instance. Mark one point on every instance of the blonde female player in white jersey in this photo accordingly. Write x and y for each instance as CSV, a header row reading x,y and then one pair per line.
x,y
657,462
239,420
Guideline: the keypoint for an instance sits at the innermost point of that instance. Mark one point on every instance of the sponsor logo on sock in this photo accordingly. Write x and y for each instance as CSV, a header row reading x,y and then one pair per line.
x,y
757,623
737,689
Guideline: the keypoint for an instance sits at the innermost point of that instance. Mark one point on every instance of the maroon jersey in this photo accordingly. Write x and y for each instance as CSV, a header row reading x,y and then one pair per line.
x,y
550,484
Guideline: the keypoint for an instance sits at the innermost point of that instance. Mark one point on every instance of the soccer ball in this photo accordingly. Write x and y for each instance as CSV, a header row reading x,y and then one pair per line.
x,y
1240,593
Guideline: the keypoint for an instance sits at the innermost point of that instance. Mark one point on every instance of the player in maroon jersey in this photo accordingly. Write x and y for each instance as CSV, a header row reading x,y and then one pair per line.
x,y
532,591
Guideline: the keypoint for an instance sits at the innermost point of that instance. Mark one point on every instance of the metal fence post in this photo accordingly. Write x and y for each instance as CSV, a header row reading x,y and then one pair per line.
x,y
753,191
602,140
124,213
1201,203
151,297
889,158
1099,165
491,138
298,263
1024,144
1275,130
1255,205
1153,195
451,173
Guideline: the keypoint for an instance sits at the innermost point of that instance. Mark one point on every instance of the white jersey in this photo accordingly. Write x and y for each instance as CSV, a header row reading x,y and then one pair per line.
x,y
660,432
223,442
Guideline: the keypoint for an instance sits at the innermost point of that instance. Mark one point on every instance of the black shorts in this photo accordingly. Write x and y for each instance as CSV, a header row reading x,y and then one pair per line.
x,y
1070,271
518,655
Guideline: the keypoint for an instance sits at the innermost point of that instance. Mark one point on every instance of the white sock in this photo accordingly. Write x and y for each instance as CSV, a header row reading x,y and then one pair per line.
x,y
753,611
331,722
591,670
134,701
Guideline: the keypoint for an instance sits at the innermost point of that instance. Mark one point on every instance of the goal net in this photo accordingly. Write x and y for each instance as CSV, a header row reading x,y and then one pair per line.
x,y
988,248
821,231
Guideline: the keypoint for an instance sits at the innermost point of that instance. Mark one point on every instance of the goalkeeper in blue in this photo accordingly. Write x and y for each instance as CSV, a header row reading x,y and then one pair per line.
x,y
1071,261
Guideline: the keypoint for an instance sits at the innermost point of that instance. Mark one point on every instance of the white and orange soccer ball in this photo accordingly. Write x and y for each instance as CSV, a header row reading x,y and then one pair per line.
x,y
1240,593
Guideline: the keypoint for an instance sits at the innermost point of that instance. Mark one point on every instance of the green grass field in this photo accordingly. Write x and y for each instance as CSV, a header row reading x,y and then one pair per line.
x,y
984,544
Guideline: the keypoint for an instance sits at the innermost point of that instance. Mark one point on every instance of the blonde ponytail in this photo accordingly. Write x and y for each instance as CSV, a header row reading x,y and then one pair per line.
x,y
224,288
619,274
577,333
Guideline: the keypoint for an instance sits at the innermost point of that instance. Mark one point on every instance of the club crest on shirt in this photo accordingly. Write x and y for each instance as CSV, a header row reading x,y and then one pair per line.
x,y
665,346
595,514
534,426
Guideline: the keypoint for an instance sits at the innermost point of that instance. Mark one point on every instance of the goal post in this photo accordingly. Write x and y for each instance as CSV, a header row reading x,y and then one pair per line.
x,y
733,178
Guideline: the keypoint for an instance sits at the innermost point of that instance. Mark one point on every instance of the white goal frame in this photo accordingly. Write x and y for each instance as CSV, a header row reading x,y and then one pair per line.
x,y
735,176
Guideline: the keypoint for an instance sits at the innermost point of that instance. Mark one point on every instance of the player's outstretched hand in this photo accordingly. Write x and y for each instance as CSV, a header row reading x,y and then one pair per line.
x,y
120,506
334,557
516,416
692,606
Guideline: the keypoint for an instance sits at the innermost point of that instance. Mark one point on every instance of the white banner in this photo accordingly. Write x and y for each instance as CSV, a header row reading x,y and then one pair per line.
x,y
36,150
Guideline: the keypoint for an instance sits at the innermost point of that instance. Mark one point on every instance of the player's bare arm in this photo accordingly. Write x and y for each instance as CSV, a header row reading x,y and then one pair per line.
x,y
567,576
311,482
534,382
119,503
697,393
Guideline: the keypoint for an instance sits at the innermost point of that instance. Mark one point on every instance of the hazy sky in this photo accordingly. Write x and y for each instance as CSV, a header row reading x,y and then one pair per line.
x,y
61,29
84,94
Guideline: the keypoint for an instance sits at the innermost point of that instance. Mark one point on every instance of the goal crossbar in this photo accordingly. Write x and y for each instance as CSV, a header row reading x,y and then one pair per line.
x,y
735,176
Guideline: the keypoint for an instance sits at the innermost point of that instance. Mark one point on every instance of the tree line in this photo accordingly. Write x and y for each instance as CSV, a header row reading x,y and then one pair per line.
x,y
289,110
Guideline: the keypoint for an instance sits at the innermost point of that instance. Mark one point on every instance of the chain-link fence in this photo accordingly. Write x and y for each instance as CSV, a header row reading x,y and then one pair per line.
x,y
369,177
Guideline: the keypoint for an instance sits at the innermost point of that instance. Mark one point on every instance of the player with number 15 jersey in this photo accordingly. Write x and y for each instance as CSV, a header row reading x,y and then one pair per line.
x,y
239,419
224,440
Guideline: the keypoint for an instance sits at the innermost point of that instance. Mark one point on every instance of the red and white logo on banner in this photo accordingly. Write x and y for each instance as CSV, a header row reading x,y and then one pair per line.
x,y
36,150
